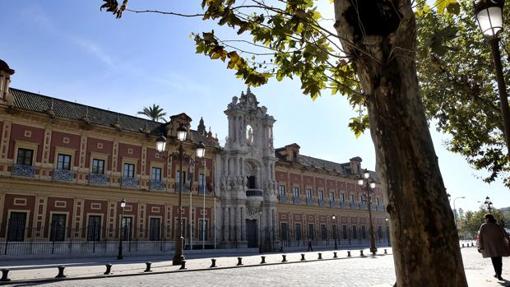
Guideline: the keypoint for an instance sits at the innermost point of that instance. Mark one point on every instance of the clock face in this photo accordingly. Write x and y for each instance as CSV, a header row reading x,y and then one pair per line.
x,y
249,134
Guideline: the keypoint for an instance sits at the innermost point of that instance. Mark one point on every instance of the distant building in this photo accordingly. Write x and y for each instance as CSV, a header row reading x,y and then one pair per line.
x,y
65,167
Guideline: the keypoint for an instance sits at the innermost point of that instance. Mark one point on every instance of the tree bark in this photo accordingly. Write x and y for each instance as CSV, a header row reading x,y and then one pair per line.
x,y
379,36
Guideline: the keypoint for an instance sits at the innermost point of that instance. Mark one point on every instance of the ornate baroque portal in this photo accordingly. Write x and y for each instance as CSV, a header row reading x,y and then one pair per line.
x,y
246,170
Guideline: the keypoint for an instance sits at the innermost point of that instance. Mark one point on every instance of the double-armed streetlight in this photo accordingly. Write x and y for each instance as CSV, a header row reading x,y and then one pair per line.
x,y
488,203
121,229
489,15
182,134
366,181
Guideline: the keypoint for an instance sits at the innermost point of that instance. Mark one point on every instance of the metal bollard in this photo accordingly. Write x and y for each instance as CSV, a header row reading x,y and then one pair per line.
x,y
60,272
472,244
284,258
348,253
108,269
303,257
361,253
5,275
462,245
148,266
213,263
335,255
183,265
239,261
320,256
385,251
262,259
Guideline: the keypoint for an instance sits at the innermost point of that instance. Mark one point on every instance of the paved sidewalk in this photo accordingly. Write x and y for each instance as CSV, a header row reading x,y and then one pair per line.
x,y
349,271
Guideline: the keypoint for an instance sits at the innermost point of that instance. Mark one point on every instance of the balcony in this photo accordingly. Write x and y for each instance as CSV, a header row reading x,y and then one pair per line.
x,y
283,198
309,201
23,170
296,200
320,202
202,189
156,185
254,192
341,204
63,175
331,203
98,179
129,182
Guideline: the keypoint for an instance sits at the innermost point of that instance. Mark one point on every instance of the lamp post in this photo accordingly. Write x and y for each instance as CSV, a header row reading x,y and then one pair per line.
x,y
388,230
455,210
489,15
334,231
370,185
200,154
488,202
121,233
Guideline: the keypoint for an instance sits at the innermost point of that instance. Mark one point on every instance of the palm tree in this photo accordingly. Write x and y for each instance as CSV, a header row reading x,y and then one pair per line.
x,y
154,112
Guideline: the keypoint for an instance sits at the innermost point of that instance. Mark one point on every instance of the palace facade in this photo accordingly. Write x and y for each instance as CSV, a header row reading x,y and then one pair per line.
x,y
66,167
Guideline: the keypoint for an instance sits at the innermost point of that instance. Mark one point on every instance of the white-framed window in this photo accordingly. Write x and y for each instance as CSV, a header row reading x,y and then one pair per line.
x,y
129,170
97,166
321,195
281,189
64,161
308,193
295,192
156,174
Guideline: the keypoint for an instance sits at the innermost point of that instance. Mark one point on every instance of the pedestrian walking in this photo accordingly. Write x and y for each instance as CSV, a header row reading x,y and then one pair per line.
x,y
310,245
493,242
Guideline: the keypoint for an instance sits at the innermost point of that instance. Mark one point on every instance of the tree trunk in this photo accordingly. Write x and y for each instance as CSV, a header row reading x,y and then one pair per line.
x,y
380,38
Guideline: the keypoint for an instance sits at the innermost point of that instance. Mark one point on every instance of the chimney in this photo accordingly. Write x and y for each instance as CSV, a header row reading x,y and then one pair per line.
x,y
355,165
291,151
5,79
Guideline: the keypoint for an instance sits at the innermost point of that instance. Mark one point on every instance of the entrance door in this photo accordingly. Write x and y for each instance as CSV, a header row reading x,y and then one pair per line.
x,y
251,233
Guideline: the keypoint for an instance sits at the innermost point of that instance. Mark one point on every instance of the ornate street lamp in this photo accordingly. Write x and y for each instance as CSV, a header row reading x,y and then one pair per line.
x,y
121,230
161,143
200,154
178,256
489,15
370,185
488,202
334,230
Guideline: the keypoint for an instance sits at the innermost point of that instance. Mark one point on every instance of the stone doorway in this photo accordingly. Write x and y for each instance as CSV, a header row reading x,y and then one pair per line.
x,y
252,233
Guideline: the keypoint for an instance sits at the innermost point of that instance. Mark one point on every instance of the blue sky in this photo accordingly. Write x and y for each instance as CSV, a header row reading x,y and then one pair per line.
x,y
71,50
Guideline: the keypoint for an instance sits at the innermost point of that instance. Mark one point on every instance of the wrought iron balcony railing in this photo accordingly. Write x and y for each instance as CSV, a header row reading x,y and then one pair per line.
x,y
331,203
23,170
202,189
129,182
309,201
156,185
63,175
296,200
254,192
283,198
320,202
98,179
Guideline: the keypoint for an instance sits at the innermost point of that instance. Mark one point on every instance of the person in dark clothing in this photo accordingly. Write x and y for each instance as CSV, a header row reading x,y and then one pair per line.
x,y
310,245
493,242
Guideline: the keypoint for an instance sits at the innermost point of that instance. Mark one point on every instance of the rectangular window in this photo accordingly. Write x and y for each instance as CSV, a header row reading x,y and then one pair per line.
x,y
202,229
155,229
342,197
311,232
332,196
94,228
295,192
156,174
251,182
363,232
24,156
282,190
377,201
201,182
324,232
352,198
354,232
58,227
284,231
309,193
16,226
98,166
129,170
64,161
178,177
344,231
127,225
321,195
298,232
